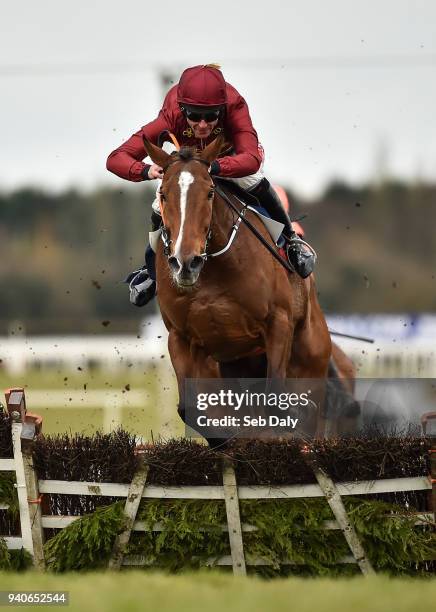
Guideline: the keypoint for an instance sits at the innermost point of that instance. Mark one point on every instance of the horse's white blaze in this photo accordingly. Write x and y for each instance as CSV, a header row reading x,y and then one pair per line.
x,y
185,179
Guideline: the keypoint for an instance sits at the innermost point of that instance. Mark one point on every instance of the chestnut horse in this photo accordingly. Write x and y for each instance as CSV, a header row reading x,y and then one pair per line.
x,y
222,310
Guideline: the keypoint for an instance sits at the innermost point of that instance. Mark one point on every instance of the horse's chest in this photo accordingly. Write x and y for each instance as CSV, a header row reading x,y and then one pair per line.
x,y
222,325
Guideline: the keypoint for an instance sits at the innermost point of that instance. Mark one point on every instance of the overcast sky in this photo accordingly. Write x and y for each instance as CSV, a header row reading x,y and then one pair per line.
x,y
332,86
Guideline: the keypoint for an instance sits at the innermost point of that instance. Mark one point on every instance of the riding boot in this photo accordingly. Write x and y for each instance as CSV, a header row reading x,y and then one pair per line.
x,y
300,255
142,282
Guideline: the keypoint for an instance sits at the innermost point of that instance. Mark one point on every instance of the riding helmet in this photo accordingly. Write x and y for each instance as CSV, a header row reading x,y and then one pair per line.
x,y
202,86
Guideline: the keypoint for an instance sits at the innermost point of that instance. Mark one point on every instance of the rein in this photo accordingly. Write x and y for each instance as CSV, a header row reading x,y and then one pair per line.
x,y
241,219
253,230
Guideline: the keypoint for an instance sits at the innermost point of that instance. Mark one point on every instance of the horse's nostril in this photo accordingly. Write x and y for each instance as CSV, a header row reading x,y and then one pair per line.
x,y
174,264
195,264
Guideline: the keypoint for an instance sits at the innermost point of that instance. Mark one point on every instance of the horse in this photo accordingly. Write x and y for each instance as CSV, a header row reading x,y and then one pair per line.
x,y
227,310
340,403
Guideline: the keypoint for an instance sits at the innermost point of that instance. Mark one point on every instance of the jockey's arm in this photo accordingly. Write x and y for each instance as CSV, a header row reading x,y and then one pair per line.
x,y
247,158
126,161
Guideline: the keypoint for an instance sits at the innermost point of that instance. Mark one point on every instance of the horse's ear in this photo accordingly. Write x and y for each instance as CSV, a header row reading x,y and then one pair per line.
x,y
158,156
213,149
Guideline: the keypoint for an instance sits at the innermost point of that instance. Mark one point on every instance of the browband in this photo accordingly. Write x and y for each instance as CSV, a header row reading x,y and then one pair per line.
x,y
180,159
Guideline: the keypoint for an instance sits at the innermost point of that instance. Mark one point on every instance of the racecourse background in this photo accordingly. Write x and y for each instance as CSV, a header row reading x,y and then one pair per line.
x,y
85,383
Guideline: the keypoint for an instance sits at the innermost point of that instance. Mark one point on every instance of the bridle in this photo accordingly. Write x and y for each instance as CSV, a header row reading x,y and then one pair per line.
x,y
240,218
205,255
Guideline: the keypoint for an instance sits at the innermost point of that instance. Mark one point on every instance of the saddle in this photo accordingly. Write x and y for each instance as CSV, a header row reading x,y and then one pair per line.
x,y
233,188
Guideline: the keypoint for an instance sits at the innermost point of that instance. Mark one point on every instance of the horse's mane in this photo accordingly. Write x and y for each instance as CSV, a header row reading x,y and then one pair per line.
x,y
187,153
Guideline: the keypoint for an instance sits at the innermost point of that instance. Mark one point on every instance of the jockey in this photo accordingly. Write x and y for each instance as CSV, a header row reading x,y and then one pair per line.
x,y
196,110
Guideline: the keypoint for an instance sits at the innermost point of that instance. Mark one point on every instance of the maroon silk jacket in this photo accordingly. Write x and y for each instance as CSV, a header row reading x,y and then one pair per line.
x,y
126,161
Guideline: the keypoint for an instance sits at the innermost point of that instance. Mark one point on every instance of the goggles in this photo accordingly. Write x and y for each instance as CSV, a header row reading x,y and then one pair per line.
x,y
196,115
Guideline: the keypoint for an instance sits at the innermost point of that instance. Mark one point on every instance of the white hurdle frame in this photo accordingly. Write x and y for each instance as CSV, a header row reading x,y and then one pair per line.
x,y
30,490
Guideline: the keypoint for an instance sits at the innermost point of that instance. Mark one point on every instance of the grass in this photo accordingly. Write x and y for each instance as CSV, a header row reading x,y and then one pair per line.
x,y
156,417
215,592
53,378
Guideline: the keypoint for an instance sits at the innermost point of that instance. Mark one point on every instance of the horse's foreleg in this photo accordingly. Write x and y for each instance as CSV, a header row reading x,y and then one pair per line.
x,y
189,361
310,360
278,342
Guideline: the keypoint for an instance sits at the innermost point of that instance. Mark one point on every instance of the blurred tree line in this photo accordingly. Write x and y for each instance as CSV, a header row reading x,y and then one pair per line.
x,y
376,246
64,255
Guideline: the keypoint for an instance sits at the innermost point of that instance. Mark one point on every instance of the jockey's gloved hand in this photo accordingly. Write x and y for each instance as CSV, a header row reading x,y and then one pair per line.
x,y
214,168
155,172
151,172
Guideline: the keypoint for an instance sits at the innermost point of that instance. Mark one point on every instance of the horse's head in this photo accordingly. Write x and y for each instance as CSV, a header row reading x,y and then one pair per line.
x,y
186,197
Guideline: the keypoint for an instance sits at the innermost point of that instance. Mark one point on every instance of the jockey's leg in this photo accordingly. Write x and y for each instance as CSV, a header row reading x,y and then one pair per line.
x,y
300,255
142,282
269,199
